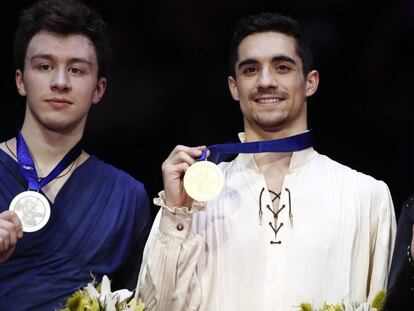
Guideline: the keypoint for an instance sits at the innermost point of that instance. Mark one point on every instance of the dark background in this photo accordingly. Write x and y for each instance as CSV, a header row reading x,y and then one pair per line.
x,y
167,83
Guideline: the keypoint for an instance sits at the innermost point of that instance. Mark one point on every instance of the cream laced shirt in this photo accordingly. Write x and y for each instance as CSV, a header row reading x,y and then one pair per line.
x,y
329,239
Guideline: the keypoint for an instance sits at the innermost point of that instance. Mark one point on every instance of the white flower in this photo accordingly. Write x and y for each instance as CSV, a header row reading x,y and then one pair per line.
x,y
91,290
106,298
365,306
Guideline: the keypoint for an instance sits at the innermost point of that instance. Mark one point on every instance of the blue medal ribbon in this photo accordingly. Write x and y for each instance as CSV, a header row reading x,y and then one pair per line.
x,y
28,169
286,144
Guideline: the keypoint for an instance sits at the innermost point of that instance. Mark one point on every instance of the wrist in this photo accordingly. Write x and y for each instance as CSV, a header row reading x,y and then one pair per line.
x,y
194,206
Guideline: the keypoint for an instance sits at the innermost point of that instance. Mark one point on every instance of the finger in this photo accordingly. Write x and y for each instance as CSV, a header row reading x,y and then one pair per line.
x,y
12,217
4,240
178,169
20,233
6,255
183,157
194,152
182,167
174,164
1,245
197,151
8,232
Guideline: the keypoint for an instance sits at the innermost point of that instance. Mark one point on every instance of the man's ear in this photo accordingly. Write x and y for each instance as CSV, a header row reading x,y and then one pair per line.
x,y
233,88
100,91
312,82
20,82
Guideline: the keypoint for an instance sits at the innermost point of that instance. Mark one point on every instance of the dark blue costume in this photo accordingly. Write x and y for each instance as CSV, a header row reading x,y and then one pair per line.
x,y
401,277
99,224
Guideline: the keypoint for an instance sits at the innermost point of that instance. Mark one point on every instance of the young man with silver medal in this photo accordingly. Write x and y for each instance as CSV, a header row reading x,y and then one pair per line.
x,y
64,214
290,225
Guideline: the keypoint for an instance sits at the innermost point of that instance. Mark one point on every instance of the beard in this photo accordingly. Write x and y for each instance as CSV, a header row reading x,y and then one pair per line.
x,y
273,118
271,121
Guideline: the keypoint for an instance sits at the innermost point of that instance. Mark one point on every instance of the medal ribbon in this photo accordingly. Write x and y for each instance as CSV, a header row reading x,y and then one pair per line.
x,y
286,144
28,169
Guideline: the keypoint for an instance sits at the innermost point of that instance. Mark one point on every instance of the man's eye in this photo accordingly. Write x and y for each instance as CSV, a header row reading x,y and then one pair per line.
x,y
283,68
75,70
45,67
250,70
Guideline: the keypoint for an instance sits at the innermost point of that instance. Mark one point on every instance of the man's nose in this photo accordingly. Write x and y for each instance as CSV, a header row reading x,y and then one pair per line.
x,y
267,79
61,81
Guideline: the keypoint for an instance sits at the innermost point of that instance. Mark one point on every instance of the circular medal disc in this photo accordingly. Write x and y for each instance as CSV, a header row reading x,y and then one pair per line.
x,y
203,180
33,210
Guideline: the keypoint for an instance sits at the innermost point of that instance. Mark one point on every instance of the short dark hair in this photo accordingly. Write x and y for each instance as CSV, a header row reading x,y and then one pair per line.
x,y
270,22
64,17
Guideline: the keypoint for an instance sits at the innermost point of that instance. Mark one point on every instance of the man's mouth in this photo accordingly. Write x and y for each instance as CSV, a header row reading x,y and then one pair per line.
x,y
268,99
59,102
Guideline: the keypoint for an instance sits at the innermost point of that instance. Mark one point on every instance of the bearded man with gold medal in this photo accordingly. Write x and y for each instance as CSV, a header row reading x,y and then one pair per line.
x,y
289,225
64,214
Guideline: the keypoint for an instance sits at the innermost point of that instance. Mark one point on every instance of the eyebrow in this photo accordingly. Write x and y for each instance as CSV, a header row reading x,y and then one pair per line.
x,y
279,58
72,60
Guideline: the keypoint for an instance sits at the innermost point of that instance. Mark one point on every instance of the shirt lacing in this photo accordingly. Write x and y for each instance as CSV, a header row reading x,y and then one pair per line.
x,y
274,225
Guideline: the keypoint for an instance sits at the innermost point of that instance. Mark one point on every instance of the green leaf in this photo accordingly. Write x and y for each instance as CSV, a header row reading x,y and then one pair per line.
x,y
306,307
379,300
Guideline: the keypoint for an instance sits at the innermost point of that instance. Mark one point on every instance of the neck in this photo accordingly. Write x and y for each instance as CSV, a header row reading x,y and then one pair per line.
x,y
48,147
260,134
271,162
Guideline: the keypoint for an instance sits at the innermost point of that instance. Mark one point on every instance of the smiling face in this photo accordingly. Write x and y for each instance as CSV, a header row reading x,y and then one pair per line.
x,y
270,85
59,81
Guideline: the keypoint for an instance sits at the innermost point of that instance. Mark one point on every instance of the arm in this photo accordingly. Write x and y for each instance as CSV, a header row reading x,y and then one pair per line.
x,y
401,278
127,276
10,231
168,278
382,245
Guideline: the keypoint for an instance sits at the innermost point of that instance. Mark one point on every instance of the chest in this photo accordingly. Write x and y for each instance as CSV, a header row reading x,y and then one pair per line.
x,y
305,218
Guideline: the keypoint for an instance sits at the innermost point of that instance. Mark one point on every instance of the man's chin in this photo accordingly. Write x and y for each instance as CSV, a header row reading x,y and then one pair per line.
x,y
272,124
62,126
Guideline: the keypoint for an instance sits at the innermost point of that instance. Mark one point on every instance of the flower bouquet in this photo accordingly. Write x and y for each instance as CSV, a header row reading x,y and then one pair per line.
x,y
376,305
100,298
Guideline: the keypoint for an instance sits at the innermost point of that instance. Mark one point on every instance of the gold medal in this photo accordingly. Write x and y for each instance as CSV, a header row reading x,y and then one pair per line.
x,y
203,180
33,210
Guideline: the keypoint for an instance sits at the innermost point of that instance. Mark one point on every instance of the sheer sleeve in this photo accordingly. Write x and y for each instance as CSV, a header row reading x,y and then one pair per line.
x,y
168,277
383,243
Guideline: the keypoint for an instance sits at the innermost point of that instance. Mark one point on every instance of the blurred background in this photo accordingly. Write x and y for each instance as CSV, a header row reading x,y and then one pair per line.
x,y
168,83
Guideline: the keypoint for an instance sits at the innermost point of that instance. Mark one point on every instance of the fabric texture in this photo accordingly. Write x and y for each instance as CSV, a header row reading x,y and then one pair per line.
x,y
99,224
329,239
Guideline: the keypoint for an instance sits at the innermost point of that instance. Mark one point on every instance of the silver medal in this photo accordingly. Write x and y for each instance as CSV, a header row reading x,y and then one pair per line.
x,y
33,210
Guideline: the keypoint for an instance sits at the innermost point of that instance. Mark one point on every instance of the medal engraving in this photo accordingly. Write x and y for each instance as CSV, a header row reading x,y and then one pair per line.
x,y
203,181
33,210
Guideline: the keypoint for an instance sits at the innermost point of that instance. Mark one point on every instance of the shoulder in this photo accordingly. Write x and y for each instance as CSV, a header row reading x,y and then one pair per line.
x,y
128,193
113,175
345,174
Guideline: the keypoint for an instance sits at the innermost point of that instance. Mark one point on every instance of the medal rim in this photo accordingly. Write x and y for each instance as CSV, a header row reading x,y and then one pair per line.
x,y
46,205
219,186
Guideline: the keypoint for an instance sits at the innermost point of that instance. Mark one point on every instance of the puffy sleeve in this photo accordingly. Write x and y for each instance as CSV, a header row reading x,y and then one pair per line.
x,y
168,278
382,245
